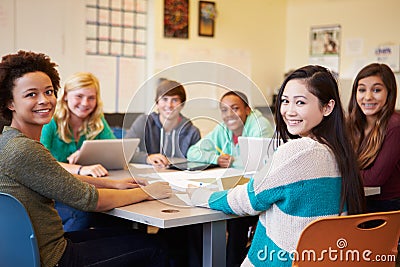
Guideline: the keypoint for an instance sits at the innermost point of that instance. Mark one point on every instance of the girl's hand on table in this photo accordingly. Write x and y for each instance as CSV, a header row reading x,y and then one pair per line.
x,y
158,190
125,183
73,157
141,181
225,160
157,160
96,170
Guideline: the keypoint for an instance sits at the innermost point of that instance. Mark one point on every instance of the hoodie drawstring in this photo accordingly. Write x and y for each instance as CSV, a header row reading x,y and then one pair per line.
x,y
162,141
173,144
165,145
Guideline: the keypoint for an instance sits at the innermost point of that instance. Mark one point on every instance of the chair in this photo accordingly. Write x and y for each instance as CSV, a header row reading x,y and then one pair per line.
x,y
350,241
18,245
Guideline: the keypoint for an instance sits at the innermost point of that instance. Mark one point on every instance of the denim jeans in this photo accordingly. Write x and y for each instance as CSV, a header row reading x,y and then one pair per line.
x,y
113,247
73,219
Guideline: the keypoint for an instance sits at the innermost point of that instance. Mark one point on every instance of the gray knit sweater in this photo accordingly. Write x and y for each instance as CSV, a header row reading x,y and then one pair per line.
x,y
33,176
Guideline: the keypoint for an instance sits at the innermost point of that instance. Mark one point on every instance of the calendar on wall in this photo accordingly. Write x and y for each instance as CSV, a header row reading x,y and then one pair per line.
x,y
116,28
325,46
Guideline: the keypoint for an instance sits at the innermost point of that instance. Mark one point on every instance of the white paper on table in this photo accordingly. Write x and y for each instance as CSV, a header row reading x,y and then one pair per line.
x,y
194,175
180,180
181,185
185,198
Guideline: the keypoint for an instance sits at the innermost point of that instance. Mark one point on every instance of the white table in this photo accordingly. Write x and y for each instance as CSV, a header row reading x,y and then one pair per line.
x,y
173,212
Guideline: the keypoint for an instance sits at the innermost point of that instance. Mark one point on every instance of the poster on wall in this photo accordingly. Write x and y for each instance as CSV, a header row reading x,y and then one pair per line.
x,y
325,46
176,18
389,55
207,14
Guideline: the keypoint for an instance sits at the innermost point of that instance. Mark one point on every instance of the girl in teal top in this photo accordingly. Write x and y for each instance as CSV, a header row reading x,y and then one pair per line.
x,y
62,150
78,117
220,146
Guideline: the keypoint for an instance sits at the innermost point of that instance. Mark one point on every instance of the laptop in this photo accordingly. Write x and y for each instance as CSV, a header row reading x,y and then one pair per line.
x,y
113,154
256,152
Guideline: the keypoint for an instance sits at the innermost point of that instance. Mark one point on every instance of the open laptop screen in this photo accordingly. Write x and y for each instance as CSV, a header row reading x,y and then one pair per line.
x,y
113,154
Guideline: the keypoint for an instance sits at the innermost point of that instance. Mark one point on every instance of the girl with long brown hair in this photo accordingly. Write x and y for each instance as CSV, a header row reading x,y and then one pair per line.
x,y
375,133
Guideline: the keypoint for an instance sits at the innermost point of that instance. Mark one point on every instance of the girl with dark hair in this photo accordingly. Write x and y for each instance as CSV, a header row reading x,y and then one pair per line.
x,y
28,87
311,176
220,146
375,133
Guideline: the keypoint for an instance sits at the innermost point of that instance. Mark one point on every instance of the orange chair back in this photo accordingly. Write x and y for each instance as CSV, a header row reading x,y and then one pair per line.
x,y
355,240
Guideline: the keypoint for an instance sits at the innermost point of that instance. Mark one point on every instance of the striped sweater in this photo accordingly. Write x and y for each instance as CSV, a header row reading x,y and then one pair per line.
x,y
302,184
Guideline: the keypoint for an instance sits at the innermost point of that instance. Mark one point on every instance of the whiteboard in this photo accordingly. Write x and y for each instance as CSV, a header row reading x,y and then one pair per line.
x,y
105,69
120,79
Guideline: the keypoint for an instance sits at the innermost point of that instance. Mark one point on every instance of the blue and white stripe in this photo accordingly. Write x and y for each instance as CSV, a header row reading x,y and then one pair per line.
x,y
302,184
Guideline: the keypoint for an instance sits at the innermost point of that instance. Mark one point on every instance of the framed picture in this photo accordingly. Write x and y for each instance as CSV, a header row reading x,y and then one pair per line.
x,y
207,14
176,18
325,46
325,40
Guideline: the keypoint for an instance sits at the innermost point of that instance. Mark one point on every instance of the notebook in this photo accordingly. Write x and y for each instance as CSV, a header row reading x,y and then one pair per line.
x,y
113,154
255,152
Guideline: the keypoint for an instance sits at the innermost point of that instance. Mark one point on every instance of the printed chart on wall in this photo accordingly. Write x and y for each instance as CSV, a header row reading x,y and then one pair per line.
x,y
116,48
325,47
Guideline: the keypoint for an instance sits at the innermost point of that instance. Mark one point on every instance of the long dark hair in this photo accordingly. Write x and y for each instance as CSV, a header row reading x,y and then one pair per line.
x,y
331,132
368,147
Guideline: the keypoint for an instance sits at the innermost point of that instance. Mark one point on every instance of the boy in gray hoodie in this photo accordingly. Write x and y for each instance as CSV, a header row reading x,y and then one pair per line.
x,y
166,133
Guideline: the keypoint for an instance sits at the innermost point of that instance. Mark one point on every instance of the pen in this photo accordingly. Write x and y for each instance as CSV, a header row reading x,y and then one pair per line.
x,y
219,150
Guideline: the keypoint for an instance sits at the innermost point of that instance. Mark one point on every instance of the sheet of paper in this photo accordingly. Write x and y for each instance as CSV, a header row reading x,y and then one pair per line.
x,y
181,180
181,185
195,175
185,198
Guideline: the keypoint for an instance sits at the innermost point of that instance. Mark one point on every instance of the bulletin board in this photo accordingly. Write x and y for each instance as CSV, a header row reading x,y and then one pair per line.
x,y
116,28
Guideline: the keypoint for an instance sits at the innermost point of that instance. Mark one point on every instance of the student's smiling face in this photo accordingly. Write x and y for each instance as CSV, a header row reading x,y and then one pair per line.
x,y
33,101
169,107
81,102
371,95
300,109
234,113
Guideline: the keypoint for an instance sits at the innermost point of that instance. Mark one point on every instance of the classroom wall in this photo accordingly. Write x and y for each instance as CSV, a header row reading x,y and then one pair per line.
x,y
249,36
368,23
53,27
261,38
259,33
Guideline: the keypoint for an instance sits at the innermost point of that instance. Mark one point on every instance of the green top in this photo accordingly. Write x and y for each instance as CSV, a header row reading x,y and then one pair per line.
x,y
33,176
205,150
61,150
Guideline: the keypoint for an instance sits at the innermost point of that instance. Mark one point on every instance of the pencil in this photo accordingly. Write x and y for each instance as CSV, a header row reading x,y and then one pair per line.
x,y
219,150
